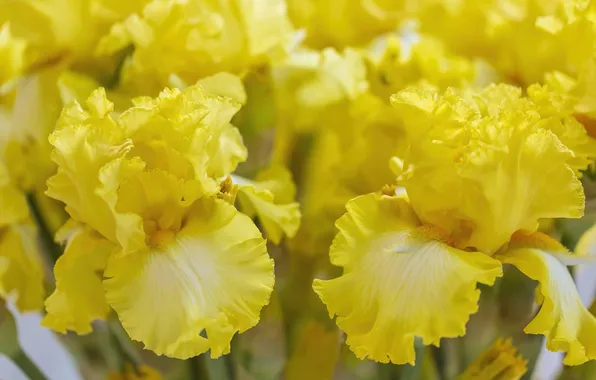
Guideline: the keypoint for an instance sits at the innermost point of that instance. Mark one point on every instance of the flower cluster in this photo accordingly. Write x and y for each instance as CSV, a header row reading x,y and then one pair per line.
x,y
392,159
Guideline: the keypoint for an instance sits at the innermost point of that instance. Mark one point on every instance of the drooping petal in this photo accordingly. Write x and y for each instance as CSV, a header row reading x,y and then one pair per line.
x,y
271,197
194,291
563,319
400,281
79,297
21,273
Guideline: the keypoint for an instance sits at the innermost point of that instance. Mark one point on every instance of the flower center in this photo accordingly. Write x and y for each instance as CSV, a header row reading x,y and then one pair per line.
x,y
161,237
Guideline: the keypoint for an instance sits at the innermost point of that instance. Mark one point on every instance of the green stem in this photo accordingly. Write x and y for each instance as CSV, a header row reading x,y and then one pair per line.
x,y
46,235
126,353
27,366
230,366
409,372
198,368
388,371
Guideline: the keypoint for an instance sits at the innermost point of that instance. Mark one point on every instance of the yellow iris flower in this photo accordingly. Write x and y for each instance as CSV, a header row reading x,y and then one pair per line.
x,y
194,39
150,238
340,98
527,41
42,33
478,175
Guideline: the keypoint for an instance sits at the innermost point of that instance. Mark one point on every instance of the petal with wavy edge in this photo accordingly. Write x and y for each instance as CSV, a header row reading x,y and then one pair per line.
x,y
563,319
400,281
79,297
196,291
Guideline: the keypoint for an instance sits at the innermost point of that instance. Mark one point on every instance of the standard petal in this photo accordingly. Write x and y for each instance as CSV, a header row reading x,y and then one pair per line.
x,y
400,281
79,297
563,319
195,291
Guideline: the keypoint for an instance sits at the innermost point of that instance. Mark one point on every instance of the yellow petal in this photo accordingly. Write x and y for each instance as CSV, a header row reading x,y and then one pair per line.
x,y
499,362
12,201
477,163
21,272
230,153
33,116
586,246
224,84
12,51
310,86
79,297
563,319
194,39
186,129
83,142
271,197
193,292
128,226
344,22
400,281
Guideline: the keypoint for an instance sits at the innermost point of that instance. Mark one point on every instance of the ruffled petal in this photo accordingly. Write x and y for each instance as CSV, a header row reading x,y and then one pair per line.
x,y
400,281
83,142
271,197
481,164
563,319
193,292
79,297
21,273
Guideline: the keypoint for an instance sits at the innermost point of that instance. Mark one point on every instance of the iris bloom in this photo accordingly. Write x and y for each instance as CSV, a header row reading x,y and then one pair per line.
x,y
37,34
478,174
153,235
526,41
194,39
